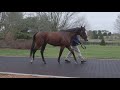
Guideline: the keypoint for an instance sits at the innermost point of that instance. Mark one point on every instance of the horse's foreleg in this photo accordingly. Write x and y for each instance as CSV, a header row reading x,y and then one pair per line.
x,y
42,51
70,49
60,53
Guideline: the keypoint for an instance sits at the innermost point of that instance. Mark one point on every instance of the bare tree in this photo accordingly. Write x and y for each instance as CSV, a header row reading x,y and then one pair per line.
x,y
117,23
2,19
53,21
79,21
10,22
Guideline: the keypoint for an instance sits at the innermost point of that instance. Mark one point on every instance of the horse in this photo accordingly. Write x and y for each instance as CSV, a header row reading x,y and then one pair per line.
x,y
60,38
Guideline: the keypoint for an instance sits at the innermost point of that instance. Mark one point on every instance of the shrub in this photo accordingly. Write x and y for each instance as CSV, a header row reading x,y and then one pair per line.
x,y
102,42
1,36
21,35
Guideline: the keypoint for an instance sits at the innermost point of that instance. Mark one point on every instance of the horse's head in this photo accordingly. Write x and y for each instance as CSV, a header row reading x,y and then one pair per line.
x,y
82,33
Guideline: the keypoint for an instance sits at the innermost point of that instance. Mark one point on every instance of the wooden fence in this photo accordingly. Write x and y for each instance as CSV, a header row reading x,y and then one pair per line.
x,y
26,44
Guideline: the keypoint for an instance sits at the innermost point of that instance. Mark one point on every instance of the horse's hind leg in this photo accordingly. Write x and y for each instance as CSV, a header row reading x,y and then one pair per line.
x,y
70,49
34,51
60,53
42,51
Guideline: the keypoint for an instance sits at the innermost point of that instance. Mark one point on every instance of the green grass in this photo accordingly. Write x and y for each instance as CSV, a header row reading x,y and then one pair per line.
x,y
97,51
92,51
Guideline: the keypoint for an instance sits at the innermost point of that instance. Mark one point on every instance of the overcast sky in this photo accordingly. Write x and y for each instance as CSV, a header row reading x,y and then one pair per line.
x,y
101,20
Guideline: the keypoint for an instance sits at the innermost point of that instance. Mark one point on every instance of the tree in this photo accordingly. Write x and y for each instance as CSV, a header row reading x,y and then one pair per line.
x,y
99,32
20,22
117,23
2,19
102,42
54,21
90,34
109,34
104,34
30,23
3,16
12,22
95,35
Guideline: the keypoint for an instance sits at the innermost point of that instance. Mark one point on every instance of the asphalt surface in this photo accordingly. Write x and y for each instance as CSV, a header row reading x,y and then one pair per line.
x,y
90,69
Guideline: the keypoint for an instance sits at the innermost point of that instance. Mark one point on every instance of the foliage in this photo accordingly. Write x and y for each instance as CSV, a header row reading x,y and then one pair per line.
x,y
1,36
95,35
98,34
109,34
11,22
21,35
102,42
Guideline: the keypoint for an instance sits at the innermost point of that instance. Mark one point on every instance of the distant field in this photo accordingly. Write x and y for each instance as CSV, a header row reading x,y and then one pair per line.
x,y
92,51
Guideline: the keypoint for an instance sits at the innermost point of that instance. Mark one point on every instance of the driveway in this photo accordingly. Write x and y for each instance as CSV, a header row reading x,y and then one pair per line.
x,y
91,69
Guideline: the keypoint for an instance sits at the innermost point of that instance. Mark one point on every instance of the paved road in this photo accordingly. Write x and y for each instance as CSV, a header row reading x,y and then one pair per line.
x,y
90,69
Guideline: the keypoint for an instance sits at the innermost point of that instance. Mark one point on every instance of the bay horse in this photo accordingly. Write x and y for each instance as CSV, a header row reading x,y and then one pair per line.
x,y
60,38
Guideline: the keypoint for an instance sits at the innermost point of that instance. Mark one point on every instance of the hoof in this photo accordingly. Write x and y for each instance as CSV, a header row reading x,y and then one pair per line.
x,y
67,61
59,62
83,61
31,62
76,62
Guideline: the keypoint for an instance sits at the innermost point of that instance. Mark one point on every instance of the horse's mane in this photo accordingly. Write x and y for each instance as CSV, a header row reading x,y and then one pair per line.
x,y
70,30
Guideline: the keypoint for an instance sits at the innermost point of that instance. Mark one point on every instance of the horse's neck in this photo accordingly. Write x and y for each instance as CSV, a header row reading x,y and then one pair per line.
x,y
71,34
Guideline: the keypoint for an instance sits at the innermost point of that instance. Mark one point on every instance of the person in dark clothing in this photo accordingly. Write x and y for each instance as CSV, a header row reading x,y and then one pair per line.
x,y
74,45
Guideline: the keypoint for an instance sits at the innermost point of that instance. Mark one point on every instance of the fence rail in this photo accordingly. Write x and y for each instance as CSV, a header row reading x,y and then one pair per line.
x,y
26,44
107,43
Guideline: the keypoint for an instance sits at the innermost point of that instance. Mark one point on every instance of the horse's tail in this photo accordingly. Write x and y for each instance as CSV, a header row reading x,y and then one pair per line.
x,y
33,44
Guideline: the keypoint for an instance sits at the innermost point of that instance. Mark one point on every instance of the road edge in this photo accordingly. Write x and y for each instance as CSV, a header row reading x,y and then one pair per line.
x,y
36,75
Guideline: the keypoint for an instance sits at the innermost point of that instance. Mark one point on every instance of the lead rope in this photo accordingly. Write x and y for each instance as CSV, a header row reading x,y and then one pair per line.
x,y
83,46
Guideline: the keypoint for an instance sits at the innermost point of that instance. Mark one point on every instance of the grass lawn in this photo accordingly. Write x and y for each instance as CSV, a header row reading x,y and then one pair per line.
x,y
92,51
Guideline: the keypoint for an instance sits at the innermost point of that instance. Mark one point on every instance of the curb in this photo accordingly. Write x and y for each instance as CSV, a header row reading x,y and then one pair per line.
x,y
44,76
